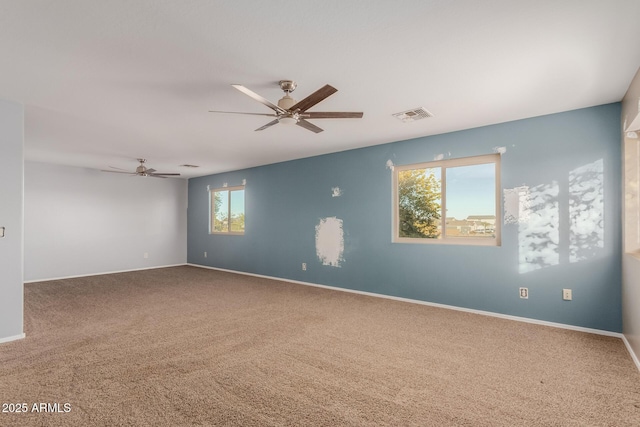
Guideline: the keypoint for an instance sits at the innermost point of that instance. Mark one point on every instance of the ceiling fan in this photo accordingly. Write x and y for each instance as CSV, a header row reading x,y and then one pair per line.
x,y
142,170
290,111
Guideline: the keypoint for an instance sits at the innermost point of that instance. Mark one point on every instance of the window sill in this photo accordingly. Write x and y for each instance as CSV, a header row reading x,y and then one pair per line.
x,y
226,233
450,241
635,255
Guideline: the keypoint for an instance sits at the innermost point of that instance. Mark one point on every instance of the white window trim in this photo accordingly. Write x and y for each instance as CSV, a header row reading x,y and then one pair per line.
x,y
443,164
212,213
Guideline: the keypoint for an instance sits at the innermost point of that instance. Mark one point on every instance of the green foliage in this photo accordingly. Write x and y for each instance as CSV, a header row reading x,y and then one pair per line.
x,y
217,199
237,222
419,199
220,215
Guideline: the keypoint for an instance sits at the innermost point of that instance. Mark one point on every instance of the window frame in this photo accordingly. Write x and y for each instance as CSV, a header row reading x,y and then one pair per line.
x,y
212,210
444,165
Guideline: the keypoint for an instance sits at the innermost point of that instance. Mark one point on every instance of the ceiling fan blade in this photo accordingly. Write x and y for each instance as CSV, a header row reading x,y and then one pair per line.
x,y
128,173
331,115
311,100
274,122
258,98
251,114
150,170
164,174
153,175
120,169
309,126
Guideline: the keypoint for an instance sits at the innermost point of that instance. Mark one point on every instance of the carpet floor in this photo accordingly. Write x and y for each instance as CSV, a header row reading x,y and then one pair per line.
x,y
187,346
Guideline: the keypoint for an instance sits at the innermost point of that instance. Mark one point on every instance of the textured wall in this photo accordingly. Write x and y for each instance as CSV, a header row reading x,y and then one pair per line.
x,y
82,221
11,182
563,231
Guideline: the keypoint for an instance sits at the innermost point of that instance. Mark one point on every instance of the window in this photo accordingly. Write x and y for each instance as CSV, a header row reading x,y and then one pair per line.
x,y
631,179
227,210
454,201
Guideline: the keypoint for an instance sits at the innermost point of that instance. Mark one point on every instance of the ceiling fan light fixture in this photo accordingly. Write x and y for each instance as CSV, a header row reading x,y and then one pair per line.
x,y
288,121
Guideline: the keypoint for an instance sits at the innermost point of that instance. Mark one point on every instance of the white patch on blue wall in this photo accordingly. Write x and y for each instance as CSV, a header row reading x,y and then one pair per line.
x,y
441,156
390,164
244,182
500,150
225,185
336,192
330,241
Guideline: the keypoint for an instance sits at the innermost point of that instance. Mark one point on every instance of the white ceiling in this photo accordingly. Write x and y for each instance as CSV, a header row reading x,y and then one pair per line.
x,y
105,82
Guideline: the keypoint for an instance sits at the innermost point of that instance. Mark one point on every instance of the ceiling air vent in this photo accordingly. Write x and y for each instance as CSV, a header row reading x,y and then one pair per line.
x,y
413,115
189,166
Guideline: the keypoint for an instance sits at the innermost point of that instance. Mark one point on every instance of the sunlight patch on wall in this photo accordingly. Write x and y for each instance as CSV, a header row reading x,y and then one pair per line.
x,y
516,205
539,234
586,210
330,241
336,192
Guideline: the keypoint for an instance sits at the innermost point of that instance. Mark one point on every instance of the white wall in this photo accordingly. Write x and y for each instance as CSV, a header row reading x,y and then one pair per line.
x,y
631,223
11,182
82,221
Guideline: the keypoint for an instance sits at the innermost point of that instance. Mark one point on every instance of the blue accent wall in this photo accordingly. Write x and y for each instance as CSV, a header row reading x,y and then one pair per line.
x,y
566,232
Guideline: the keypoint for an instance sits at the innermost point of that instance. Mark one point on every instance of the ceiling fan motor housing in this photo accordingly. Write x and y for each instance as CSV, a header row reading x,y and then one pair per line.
x,y
141,169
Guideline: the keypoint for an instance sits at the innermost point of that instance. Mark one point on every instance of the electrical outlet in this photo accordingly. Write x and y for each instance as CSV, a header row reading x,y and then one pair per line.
x,y
304,266
566,294
205,254
524,293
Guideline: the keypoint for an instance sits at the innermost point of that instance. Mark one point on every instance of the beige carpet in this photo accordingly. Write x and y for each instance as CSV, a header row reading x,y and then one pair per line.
x,y
189,346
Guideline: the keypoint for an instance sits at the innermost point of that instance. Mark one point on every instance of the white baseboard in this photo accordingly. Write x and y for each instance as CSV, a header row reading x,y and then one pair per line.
x,y
631,352
432,304
103,272
13,338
